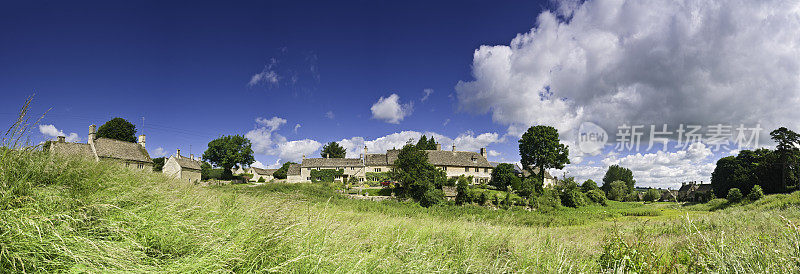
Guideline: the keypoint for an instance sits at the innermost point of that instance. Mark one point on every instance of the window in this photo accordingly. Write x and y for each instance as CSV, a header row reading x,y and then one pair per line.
x,y
308,178
474,160
352,168
377,170
466,169
477,169
140,166
486,170
444,168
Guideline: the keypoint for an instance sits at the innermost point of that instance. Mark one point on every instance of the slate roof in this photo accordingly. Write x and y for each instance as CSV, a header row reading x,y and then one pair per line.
x,y
383,159
294,169
261,171
116,149
703,188
457,158
188,163
72,149
686,188
331,162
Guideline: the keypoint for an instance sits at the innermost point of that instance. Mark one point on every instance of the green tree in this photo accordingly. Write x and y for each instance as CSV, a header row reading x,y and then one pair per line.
x,y
617,190
118,129
503,176
229,151
651,195
618,173
755,193
281,172
431,143
333,150
422,144
463,193
734,195
597,196
158,164
589,185
540,147
787,148
420,180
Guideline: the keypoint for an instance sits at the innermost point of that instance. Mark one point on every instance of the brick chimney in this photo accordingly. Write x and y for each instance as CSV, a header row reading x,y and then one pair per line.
x,y
178,154
61,139
92,134
483,152
438,146
141,141
454,147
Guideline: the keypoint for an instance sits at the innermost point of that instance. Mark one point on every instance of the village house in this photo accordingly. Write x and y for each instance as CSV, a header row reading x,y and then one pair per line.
x,y
188,169
260,174
549,180
453,163
694,192
127,154
293,174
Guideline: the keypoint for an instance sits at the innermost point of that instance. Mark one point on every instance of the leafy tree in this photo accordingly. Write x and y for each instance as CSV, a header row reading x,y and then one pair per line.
x,y
540,147
651,195
618,173
597,196
229,151
281,172
755,193
431,143
573,198
419,179
207,172
529,187
753,167
158,164
617,190
118,129
422,143
503,176
787,148
589,185
333,150
734,195
463,193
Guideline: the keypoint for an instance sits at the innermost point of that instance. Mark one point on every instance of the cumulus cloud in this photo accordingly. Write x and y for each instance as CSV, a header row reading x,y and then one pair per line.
x,y
659,169
390,110
52,132
464,142
427,92
266,141
644,62
469,142
159,152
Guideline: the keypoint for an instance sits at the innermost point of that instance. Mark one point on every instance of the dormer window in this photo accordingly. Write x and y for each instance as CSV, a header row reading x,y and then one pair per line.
x,y
474,159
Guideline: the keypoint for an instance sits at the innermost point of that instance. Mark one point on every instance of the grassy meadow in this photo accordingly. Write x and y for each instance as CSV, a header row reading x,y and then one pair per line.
x,y
70,215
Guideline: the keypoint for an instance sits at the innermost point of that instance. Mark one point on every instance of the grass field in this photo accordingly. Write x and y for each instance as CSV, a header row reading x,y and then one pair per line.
x,y
71,215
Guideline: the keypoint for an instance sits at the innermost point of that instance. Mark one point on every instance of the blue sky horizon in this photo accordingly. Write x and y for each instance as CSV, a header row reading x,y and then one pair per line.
x,y
291,76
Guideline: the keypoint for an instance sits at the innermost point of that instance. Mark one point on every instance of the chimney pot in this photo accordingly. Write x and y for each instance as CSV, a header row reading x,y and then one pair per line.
x,y
438,146
454,147
61,139
142,140
483,152
178,153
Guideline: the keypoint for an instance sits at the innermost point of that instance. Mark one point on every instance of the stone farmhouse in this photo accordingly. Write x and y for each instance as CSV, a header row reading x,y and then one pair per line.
x,y
127,154
293,174
694,192
260,173
454,163
183,168
549,180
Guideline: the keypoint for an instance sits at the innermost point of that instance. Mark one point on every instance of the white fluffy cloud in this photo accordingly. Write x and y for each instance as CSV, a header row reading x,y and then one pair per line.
x,y
644,62
265,141
390,110
659,169
159,152
464,142
52,132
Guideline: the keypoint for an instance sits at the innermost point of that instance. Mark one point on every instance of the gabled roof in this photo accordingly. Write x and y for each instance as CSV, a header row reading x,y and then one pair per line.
x,y
383,159
686,188
261,171
294,169
187,163
457,158
331,162
72,149
704,188
116,149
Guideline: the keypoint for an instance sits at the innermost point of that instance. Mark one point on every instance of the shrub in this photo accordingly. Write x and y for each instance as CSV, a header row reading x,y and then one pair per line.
x,y
651,195
755,193
547,201
597,196
573,198
617,190
589,185
734,195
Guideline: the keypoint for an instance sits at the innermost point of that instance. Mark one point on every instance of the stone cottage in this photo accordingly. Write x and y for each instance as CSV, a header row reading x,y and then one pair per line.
x,y
260,173
186,169
127,154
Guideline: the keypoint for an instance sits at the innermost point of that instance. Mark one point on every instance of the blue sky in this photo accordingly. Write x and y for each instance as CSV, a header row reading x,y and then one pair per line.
x,y
358,71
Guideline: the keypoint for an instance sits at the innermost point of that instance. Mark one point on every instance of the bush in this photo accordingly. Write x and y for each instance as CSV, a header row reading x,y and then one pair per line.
x,y
651,195
617,190
573,198
755,193
597,196
547,201
734,195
